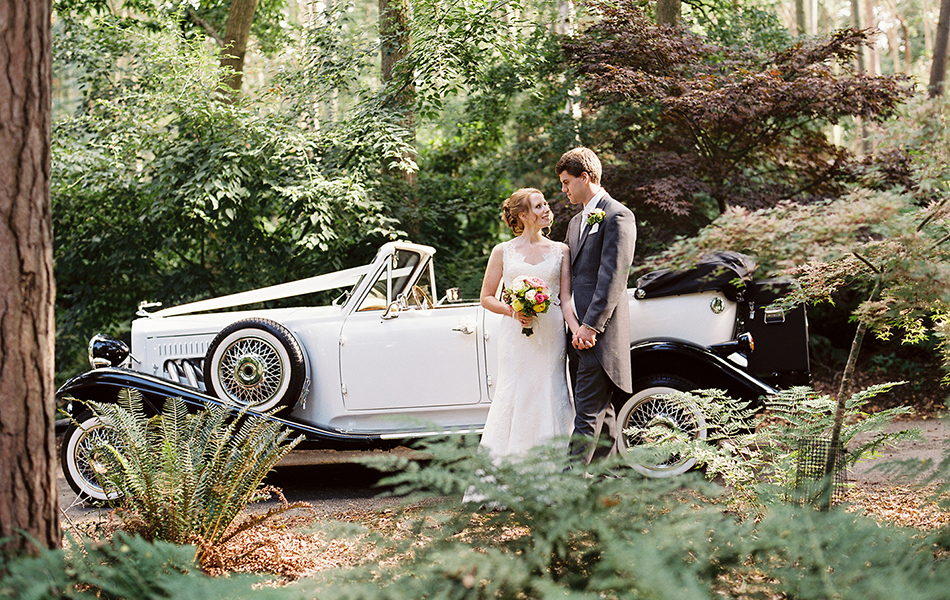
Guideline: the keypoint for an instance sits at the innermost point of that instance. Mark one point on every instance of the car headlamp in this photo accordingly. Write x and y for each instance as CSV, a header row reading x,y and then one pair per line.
x,y
105,351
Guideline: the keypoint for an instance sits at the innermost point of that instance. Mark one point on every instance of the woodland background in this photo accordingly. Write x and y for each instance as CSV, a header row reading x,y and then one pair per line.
x,y
203,148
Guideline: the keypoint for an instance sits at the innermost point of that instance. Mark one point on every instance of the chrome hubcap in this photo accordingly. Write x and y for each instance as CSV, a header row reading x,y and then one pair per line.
x,y
251,371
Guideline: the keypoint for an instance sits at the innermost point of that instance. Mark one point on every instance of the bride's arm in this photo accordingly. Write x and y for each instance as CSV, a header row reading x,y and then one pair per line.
x,y
490,283
567,307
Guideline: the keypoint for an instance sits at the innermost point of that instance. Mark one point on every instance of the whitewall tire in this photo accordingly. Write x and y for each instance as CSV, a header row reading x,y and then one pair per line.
x,y
256,363
650,406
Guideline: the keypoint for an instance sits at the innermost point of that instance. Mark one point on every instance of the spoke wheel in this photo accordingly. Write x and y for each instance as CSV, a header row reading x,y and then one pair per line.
x,y
256,363
650,407
82,467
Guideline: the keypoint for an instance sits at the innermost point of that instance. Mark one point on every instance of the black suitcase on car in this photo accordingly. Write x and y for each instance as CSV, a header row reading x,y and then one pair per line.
x,y
780,335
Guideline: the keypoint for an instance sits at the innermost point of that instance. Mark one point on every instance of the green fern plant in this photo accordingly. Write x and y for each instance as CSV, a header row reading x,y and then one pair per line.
x,y
756,455
540,530
125,567
184,477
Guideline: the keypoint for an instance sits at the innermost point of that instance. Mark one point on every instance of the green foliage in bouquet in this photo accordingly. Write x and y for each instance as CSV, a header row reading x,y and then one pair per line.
x,y
183,477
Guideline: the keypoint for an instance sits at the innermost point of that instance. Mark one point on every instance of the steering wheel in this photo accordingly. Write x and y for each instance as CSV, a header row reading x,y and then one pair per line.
x,y
420,297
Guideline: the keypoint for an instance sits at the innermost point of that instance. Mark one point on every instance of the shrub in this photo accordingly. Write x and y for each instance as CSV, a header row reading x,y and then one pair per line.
x,y
758,456
126,567
541,530
184,477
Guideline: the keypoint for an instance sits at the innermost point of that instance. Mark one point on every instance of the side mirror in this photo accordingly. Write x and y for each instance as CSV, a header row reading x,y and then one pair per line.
x,y
452,295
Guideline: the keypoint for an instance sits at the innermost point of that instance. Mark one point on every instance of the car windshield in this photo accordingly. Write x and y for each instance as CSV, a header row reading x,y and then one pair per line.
x,y
396,279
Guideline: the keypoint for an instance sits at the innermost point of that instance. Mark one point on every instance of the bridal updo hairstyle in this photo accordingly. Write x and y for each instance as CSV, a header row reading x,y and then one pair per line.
x,y
518,203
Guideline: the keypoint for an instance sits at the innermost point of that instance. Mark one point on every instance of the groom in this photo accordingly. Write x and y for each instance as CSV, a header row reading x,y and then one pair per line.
x,y
602,239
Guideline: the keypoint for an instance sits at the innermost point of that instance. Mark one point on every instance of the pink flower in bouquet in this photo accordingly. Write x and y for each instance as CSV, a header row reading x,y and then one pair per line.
x,y
528,295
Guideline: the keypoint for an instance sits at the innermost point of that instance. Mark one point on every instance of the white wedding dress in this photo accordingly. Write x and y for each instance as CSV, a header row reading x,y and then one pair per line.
x,y
531,404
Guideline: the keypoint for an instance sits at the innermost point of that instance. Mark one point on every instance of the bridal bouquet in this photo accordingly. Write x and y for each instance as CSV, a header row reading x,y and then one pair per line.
x,y
528,295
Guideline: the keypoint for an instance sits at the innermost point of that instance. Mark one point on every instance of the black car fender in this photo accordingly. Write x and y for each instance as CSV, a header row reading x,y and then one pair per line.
x,y
699,366
103,385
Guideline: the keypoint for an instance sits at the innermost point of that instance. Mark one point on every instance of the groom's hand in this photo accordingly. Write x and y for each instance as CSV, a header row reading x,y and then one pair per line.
x,y
584,338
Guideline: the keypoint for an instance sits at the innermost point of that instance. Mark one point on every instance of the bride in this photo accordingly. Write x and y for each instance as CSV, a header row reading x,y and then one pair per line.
x,y
531,404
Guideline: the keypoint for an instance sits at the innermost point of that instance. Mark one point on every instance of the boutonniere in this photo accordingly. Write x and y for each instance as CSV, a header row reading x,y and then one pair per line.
x,y
595,216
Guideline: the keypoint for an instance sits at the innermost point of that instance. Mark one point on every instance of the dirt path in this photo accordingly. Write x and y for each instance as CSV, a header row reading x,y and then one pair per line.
x,y
933,445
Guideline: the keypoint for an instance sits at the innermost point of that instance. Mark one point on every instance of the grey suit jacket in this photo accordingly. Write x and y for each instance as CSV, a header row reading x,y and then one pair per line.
x,y
600,261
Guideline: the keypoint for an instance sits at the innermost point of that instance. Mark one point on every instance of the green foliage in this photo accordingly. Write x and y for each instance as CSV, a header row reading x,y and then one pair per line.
x,y
539,531
703,123
738,26
162,191
574,533
183,477
809,554
127,567
757,455
198,20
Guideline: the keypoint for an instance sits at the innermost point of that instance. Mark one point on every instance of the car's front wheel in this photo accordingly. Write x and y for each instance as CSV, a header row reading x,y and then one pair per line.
x,y
651,406
256,363
80,456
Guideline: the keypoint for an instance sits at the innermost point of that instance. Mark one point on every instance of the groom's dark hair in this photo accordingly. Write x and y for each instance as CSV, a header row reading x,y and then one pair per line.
x,y
578,161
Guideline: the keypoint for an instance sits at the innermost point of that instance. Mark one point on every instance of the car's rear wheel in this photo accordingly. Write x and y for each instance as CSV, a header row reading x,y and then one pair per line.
x,y
80,457
651,406
256,363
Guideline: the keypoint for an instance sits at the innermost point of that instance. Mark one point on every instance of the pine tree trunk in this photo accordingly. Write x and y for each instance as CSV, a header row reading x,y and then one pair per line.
x,y
938,69
240,18
870,21
28,500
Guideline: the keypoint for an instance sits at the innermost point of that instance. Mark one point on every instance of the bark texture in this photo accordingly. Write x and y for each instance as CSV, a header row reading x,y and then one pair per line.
x,y
668,12
240,18
28,501
938,69
395,42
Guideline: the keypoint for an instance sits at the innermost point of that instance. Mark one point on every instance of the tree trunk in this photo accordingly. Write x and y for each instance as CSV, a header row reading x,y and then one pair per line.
x,y
859,68
831,460
856,24
938,69
908,57
395,43
28,501
240,18
799,24
873,65
928,28
394,35
668,12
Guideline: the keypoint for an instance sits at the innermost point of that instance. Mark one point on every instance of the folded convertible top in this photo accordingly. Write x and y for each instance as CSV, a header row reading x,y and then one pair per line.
x,y
726,271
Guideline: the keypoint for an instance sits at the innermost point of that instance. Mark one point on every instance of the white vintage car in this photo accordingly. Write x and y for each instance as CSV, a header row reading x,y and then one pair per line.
x,y
390,360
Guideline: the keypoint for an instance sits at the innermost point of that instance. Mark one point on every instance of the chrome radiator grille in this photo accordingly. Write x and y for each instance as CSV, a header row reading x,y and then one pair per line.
x,y
185,371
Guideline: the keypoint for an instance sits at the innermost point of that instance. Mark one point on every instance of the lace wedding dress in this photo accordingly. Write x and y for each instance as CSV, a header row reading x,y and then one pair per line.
x,y
531,404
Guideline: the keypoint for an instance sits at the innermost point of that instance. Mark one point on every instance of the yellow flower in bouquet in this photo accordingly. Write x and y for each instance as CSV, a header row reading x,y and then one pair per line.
x,y
528,295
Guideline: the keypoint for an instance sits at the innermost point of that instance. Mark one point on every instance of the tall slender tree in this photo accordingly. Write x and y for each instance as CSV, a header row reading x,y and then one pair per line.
x,y
938,69
668,12
240,18
28,503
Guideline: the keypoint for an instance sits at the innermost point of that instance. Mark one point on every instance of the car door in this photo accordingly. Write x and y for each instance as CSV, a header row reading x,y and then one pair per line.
x,y
415,359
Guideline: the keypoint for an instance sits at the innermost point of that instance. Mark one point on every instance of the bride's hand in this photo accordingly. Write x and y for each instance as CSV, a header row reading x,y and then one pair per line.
x,y
522,318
